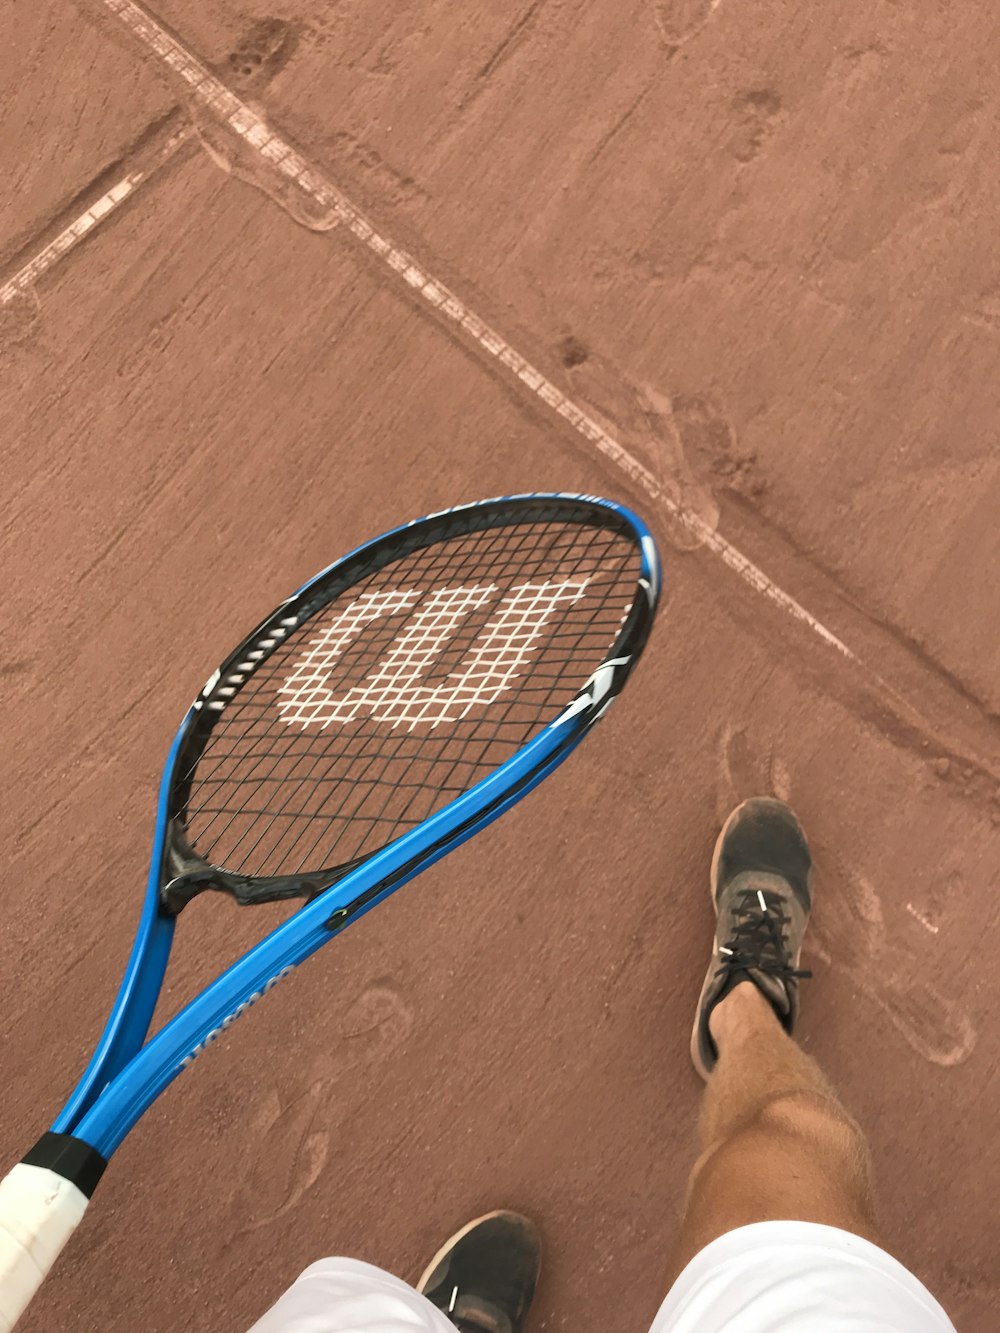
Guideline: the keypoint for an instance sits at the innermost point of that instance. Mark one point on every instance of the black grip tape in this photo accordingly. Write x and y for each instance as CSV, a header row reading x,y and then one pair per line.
x,y
70,1158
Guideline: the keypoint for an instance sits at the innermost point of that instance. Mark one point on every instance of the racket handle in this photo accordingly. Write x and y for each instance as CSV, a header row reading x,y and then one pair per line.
x,y
41,1203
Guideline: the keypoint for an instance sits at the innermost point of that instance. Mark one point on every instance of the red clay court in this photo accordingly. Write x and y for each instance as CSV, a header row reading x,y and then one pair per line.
x,y
278,276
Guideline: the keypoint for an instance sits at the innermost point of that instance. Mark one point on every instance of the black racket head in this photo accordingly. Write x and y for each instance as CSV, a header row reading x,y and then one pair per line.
x,y
393,682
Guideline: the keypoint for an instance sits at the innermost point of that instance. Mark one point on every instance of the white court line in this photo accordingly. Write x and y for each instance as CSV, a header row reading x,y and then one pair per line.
x,y
280,155
25,278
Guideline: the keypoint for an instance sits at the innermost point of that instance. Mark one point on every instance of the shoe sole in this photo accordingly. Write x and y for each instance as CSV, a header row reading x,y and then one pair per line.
x,y
452,1241
713,876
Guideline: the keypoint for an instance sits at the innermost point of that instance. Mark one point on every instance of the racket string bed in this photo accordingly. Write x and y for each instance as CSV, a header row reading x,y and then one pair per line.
x,y
429,674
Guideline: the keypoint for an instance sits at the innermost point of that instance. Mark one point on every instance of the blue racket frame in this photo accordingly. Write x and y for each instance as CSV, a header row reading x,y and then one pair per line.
x,y
124,1077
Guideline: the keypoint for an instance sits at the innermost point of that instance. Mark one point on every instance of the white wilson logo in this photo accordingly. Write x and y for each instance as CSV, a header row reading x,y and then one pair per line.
x,y
396,691
238,1012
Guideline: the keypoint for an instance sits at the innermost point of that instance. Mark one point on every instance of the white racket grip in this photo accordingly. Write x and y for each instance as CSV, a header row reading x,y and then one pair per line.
x,y
39,1211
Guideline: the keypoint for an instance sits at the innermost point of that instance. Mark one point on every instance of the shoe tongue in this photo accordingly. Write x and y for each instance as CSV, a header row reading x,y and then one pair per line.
x,y
773,989
762,883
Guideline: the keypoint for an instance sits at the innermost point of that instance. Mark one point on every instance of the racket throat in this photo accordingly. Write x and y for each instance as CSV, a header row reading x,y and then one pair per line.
x,y
185,874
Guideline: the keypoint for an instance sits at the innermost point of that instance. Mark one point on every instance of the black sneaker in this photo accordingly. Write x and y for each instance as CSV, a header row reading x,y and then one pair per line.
x,y
484,1277
762,897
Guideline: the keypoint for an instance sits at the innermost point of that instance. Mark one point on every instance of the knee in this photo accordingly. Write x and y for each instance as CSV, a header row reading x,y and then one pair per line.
x,y
811,1115
821,1128
805,1125
796,1136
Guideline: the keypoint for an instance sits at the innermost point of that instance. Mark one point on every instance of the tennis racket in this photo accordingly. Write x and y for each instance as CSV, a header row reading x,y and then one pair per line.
x,y
392,707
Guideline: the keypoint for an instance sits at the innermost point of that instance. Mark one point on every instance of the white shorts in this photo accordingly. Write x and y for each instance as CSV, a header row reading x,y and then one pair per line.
x,y
772,1277
797,1277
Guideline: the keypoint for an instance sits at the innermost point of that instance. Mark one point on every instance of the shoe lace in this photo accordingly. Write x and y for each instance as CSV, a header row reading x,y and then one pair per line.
x,y
758,939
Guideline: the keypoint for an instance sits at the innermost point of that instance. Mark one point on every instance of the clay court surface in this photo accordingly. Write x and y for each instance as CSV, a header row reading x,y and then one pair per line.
x,y
756,243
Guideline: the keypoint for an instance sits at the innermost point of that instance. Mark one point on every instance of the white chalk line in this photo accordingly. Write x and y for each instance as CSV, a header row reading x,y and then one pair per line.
x,y
81,227
281,156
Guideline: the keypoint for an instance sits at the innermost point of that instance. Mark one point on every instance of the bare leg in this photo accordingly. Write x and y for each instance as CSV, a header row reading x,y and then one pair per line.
x,y
776,1143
